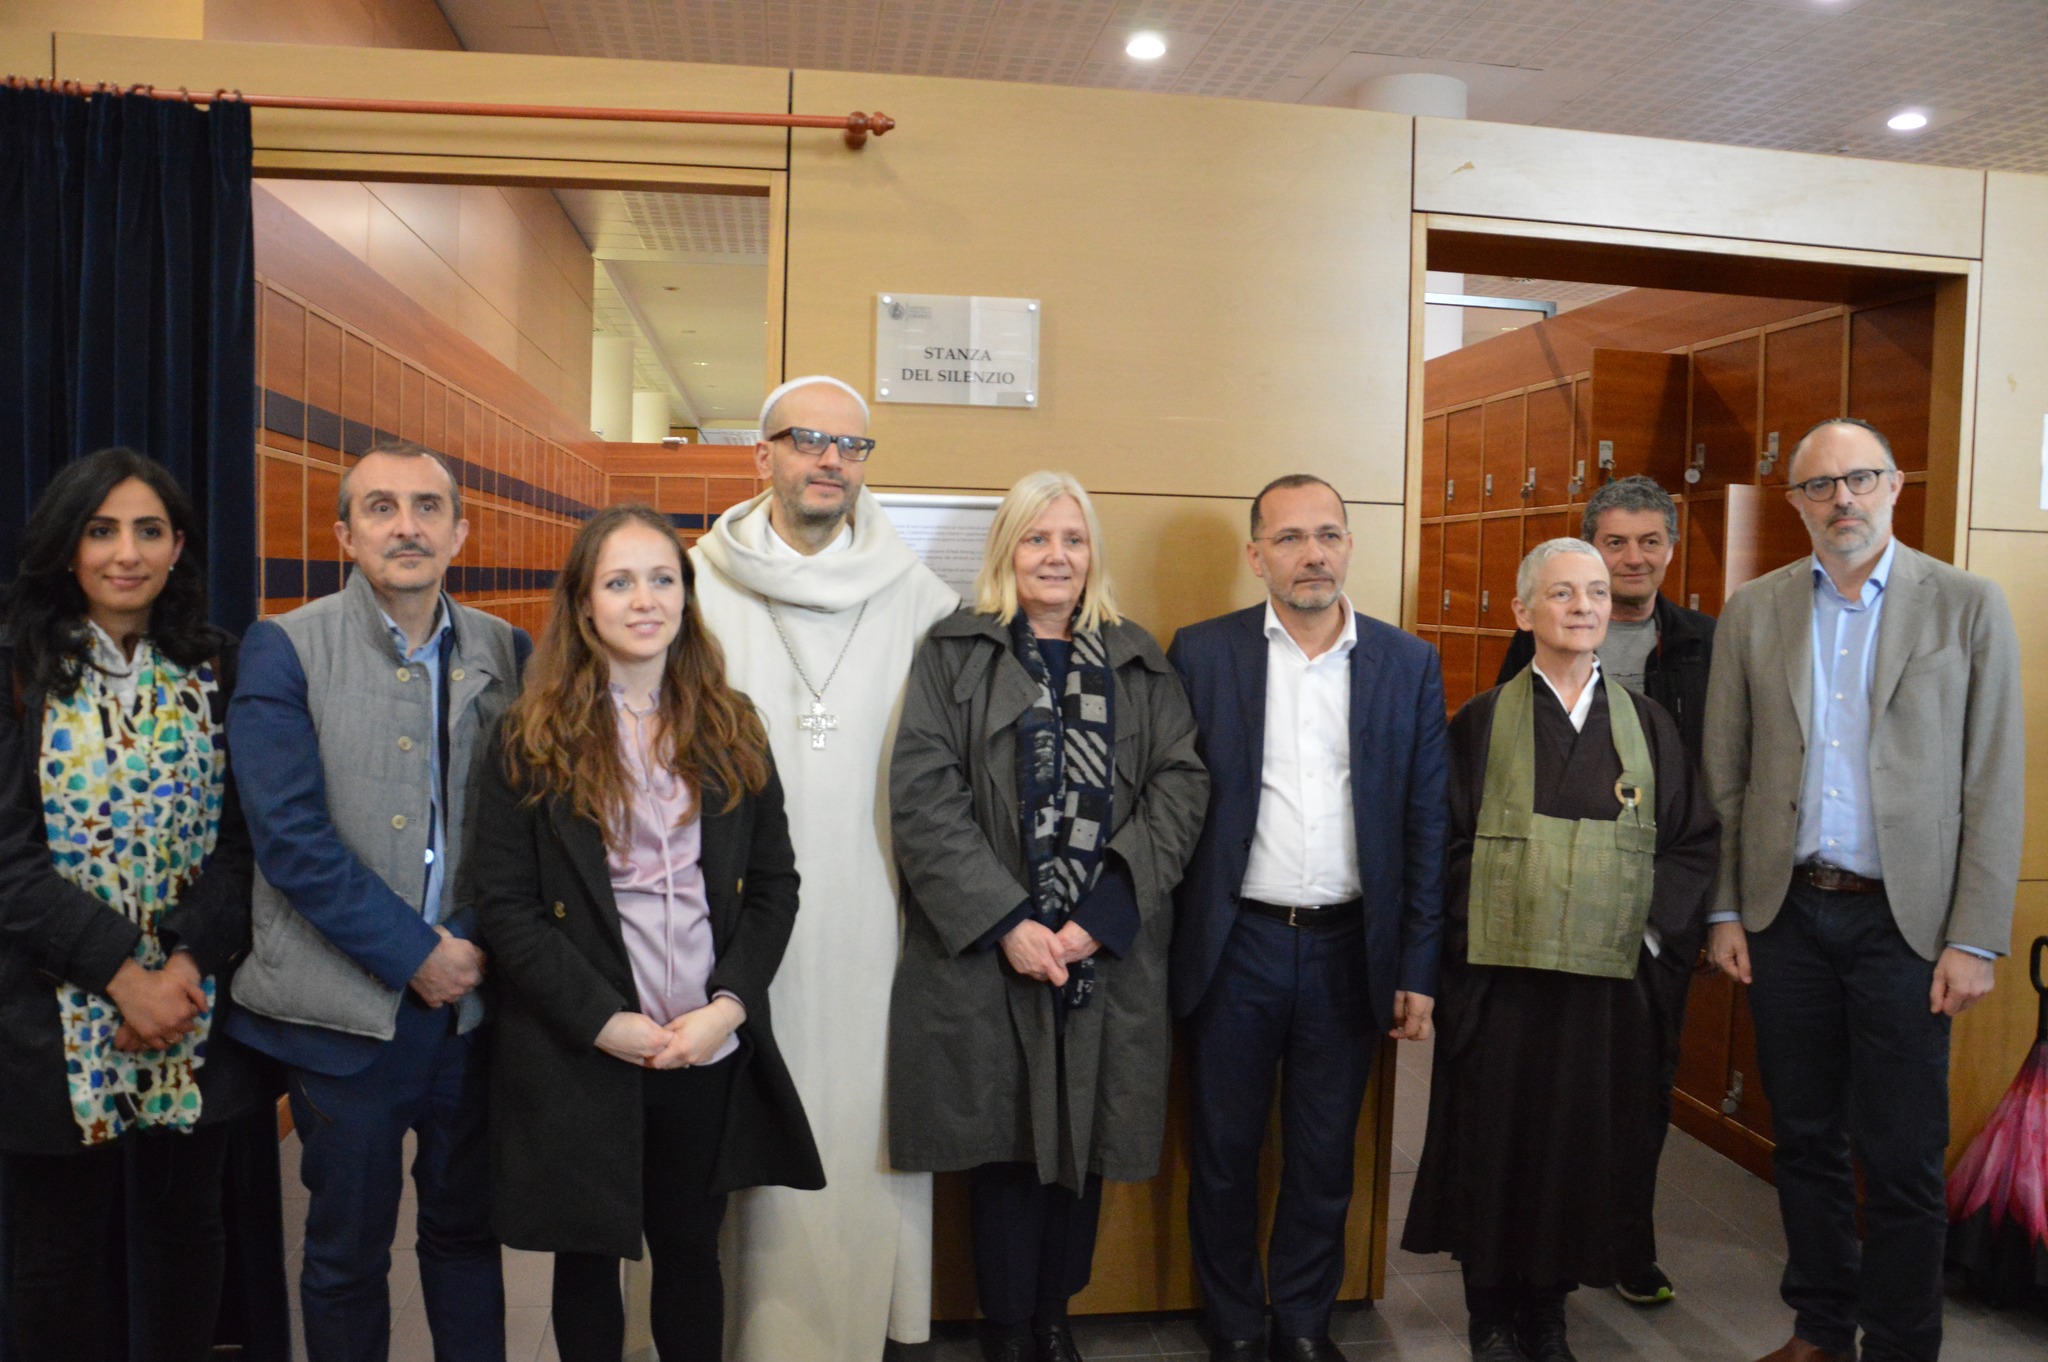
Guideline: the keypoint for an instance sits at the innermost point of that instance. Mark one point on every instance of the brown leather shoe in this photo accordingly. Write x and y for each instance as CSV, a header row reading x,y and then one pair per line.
x,y
1797,1349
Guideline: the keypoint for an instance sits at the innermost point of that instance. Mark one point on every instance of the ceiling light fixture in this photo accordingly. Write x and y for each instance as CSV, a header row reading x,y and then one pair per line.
x,y
1145,46
1912,120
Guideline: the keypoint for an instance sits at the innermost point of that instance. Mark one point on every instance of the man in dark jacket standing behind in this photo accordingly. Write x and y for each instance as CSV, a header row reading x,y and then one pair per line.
x,y
1663,651
1307,923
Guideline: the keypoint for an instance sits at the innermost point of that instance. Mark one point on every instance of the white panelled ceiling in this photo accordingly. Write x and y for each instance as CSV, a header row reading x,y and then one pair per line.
x,y
1802,75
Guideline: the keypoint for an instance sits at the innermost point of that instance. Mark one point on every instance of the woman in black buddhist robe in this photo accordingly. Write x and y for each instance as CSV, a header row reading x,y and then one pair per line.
x,y
1582,856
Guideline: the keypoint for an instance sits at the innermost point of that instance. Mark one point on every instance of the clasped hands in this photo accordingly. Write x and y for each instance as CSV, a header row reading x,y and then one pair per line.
x,y
1038,952
691,1039
158,1006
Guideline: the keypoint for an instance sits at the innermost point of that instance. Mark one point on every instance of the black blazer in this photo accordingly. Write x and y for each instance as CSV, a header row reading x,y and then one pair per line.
x,y
52,930
1397,798
565,1130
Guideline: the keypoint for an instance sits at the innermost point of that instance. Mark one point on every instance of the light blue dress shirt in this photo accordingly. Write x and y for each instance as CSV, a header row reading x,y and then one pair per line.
x,y
1837,817
427,657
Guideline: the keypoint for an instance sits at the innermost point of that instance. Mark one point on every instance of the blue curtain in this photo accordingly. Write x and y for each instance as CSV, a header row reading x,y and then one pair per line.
x,y
127,309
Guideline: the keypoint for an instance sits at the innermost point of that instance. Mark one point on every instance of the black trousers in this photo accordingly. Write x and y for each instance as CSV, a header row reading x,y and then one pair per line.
x,y
1288,1004
1853,1060
1635,1245
60,1221
684,1115
1034,1243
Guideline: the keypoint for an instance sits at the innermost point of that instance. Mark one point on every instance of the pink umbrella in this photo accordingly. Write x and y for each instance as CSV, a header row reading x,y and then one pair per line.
x,y
1998,1194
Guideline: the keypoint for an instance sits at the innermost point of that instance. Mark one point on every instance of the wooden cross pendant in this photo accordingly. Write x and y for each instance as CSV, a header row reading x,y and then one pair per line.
x,y
817,723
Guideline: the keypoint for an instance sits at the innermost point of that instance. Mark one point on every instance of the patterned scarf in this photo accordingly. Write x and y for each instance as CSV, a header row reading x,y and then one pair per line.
x,y
1065,751
131,805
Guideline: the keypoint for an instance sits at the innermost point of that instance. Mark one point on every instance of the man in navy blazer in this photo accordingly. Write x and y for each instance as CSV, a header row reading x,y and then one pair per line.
x,y
1307,924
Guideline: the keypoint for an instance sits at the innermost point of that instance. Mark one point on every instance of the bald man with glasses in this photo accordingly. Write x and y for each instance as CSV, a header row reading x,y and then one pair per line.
x,y
1864,749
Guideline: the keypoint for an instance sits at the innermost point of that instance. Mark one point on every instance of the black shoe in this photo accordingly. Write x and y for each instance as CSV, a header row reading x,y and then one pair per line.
x,y
1646,1286
1290,1349
1007,1343
1540,1329
1238,1350
1496,1343
1055,1343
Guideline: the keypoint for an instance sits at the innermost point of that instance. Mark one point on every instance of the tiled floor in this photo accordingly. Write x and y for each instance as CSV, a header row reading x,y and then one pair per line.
x,y
1717,1230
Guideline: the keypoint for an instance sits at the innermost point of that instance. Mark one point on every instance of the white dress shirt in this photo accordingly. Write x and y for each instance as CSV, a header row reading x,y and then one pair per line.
x,y
1305,849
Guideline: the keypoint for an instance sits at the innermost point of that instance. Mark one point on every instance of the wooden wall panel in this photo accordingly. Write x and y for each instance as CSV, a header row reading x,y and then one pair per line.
x,y
2014,559
1541,525
1464,461
2011,392
1802,383
1725,382
1502,457
1891,374
1495,170
1461,573
1146,340
1549,444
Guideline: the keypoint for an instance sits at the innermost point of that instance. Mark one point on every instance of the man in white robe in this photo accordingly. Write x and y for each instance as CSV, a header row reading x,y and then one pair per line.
x,y
819,607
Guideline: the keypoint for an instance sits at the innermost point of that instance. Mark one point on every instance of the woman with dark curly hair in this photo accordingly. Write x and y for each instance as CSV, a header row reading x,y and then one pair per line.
x,y
124,906
635,885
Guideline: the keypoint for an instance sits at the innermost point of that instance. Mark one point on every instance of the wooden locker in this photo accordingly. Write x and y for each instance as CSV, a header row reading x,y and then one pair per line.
x,y
1704,584
1802,385
1461,573
1433,465
1502,457
1891,374
1725,383
1493,650
1549,445
1464,460
1500,553
1461,662
1429,574
1639,410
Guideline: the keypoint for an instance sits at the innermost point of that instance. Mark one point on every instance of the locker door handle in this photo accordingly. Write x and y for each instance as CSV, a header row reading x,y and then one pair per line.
x,y
1488,489
1450,489
1697,465
1768,464
1447,599
1484,604
1607,455
1578,480
1732,1103
1529,484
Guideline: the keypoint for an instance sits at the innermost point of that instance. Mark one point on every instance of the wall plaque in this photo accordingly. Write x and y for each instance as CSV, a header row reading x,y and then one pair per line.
x,y
960,351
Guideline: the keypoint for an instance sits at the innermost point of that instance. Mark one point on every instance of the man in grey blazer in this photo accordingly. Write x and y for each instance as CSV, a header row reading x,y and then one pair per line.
x,y
1865,753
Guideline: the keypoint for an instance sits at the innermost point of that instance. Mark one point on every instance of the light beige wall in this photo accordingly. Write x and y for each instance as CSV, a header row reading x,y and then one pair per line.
x,y
1225,283
342,23
1500,170
140,18
504,266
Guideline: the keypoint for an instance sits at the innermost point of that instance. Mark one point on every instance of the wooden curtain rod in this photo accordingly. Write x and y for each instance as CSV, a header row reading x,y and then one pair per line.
x,y
856,126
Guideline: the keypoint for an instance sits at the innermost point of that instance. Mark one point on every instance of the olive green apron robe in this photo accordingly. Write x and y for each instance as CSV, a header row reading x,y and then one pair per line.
x,y
1558,893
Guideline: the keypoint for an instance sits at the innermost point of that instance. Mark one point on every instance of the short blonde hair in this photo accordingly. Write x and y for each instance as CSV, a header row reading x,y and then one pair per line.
x,y
995,586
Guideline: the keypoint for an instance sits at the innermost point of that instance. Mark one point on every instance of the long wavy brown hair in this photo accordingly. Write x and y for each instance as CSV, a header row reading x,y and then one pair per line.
x,y
561,736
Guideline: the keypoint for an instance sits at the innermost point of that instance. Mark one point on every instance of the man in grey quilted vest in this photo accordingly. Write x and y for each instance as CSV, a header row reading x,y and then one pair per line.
x,y
359,717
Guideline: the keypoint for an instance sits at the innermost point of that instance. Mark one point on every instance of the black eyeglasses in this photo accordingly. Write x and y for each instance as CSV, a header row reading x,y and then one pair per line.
x,y
852,448
1860,480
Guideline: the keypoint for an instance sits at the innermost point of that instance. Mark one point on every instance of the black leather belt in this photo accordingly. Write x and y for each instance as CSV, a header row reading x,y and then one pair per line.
x,y
1305,915
1834,879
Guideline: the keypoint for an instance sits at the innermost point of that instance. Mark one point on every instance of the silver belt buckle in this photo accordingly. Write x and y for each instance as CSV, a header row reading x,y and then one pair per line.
x,y
1292,910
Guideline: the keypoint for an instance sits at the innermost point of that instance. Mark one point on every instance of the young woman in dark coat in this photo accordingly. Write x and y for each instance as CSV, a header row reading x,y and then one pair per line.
x,y
124,907
635,886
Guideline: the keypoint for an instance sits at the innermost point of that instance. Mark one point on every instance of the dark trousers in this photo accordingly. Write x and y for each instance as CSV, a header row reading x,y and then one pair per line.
x,y
1291,1003
430,1081
684,1115
1635,1241
1034,1243
1852,1058
60,1217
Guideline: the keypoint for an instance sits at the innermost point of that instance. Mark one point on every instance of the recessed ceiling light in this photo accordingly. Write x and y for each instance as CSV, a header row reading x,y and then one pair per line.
x,y
1146,46
1912,120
